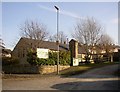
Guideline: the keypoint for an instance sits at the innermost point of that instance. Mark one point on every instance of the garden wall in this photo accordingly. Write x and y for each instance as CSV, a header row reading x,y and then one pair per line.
x,y
28,69
51,69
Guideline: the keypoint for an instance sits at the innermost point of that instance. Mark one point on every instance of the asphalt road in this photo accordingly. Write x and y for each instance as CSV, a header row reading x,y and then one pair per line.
x,y
96,79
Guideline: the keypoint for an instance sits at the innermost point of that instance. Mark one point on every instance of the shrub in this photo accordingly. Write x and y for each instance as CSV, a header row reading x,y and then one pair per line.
x,y
53,56
32,57
52,60
65,58
9,61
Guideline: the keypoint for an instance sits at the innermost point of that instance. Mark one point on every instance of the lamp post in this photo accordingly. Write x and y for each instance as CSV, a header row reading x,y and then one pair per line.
x,y
57,39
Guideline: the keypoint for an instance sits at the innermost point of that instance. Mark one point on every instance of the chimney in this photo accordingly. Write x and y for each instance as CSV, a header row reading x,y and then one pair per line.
x,y
73,45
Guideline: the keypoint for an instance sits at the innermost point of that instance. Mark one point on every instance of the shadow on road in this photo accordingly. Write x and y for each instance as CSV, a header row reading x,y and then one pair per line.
x,y
96,79
91,76
88,85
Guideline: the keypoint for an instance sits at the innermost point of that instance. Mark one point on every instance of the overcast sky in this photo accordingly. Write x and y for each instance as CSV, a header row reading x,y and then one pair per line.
x,y
15,14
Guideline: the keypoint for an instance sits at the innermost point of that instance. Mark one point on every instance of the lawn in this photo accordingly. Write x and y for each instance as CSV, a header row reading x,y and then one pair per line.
x,y
74,70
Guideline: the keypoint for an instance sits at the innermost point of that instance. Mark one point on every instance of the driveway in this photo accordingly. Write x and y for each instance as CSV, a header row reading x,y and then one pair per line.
x,y
96,79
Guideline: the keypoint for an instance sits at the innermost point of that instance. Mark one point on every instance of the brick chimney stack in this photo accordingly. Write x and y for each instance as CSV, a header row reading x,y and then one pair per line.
x,y
73,45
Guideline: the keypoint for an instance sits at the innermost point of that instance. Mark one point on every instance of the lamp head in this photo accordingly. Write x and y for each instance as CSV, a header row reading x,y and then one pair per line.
x,y
56,7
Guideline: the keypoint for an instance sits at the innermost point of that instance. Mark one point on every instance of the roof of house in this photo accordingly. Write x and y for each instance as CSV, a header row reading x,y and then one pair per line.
x,y
53,45
117,46
46,44
81,49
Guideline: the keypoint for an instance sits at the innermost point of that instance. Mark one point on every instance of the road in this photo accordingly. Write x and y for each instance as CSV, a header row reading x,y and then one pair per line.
x,y
96,79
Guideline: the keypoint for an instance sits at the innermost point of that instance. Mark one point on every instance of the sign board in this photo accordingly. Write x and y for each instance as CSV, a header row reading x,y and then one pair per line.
x,y
42,53
75,62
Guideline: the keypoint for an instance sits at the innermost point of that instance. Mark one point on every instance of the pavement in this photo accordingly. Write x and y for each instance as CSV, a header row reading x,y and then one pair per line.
x,y
95,79
0,75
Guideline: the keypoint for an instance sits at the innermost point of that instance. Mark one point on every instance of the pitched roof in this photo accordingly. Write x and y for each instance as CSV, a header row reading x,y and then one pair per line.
x,y
46,44
117,46
81,49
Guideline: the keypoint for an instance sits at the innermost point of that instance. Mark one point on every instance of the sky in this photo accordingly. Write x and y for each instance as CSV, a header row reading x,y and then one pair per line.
x,y
14,14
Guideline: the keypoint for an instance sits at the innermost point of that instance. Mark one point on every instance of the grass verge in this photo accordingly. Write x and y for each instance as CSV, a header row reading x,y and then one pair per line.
x,y
117,73
74,70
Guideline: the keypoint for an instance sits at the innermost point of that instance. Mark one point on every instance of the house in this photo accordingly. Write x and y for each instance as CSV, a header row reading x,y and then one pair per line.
x,y
25,44
77,50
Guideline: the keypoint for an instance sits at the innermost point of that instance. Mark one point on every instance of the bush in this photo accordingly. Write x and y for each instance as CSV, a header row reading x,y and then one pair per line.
x,y
32,57
9,61
52,60
65,58
53,56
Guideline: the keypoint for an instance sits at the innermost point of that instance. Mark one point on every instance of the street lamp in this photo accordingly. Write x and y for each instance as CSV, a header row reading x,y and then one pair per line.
x,y
57,39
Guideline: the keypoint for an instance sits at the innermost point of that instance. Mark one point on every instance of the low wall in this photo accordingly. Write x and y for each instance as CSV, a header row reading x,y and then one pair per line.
x,y
28,69
51,69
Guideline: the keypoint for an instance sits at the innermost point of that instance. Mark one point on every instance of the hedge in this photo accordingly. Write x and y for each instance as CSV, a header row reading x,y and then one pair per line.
x,y
9,61
64,58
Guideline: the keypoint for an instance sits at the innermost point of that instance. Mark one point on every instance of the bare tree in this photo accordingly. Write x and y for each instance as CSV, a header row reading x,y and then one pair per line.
x,y
106,42
34,30
62,37
88,32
